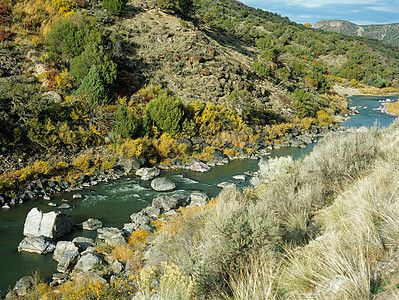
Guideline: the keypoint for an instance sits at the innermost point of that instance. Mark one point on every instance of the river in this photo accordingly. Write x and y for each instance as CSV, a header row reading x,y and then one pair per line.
x,y
115,201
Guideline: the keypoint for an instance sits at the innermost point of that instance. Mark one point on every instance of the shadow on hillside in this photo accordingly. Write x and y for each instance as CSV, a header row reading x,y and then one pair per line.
x,y
131,11
131,69
229,40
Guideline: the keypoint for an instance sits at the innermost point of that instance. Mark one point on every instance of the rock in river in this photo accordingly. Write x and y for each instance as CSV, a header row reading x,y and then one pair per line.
x,y
163,184
200,167
148,173
92,224
111,236
68,261
40,245
62,247
52,224
169,202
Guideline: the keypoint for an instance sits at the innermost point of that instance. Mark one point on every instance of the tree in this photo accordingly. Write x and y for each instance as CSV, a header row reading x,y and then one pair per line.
x,y
167,113
93,87
94,54
127,126
303,102
114,7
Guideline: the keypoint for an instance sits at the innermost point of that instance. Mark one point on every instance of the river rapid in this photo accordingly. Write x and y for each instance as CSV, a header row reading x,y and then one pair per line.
x,y
115,201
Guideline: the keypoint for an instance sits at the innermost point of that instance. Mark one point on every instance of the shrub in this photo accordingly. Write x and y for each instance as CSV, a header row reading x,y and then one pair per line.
x,y
68,37
127,126
92,87
304,103
167,113
94,54
114,7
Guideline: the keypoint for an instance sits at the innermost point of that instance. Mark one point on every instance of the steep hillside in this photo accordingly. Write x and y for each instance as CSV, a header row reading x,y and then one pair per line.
x,y
387,33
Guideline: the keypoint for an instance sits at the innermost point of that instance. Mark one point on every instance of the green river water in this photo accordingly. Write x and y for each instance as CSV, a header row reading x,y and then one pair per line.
x,y
115,201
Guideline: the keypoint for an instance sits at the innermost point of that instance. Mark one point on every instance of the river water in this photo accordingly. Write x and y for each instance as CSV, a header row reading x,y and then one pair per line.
x,y
115,201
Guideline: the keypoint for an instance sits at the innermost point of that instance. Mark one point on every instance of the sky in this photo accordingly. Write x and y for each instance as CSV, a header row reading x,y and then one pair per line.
x,y
361,12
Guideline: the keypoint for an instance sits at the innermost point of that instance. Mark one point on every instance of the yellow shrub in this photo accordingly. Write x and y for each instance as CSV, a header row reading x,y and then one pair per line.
x,y
63,6
82,162
393,108
134,253
165,145
305,123
323,118
229,152
138,237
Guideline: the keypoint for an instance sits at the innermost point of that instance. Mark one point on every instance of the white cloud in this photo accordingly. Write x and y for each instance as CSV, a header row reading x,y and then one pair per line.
x,y
389,9
320,3
312,3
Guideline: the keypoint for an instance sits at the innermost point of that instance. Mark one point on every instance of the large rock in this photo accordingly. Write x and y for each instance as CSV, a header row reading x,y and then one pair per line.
x,y
148,173
62,247
198,199
163,184
68,261
23,285
140,218
169,202
200,167
130,164
226,185
92,224
89,262
83,242
40,245
111,236
52,224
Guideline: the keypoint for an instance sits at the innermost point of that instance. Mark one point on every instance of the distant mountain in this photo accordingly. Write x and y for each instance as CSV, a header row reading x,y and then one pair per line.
x,y
387,33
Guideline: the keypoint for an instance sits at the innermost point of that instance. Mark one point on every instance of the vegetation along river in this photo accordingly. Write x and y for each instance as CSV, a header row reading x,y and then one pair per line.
x,y
114,202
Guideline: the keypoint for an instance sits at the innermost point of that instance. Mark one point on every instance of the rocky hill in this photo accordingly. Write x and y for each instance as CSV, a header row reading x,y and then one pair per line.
x,y
387,33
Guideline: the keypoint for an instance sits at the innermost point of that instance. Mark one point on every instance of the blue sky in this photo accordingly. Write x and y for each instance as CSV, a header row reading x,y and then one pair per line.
x,y
361,12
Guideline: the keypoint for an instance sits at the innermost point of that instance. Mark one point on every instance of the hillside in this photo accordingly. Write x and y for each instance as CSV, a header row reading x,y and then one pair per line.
x,y
129,77
387,33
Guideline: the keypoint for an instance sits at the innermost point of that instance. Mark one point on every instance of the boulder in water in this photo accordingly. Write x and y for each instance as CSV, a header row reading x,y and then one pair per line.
x,y
169,202
163,184
68,261
148,173
62,247
40,245
92,224
52,224
200,167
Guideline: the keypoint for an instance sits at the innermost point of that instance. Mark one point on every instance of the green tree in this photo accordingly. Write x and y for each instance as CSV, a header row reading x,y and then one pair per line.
x,y
95,54
167,113
303,102
93,87
68,37
127,125
114,7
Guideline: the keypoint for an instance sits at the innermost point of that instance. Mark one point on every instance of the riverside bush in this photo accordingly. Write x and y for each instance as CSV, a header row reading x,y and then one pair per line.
x,y
166,113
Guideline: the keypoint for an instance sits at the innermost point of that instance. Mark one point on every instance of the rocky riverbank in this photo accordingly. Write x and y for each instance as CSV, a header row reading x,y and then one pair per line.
x,y
45,187
162,207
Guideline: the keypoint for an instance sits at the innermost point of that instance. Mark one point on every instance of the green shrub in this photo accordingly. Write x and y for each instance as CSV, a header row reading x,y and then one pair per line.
x,y
92,87
127,126
94,54
167,113
114,7
304,103
68,37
